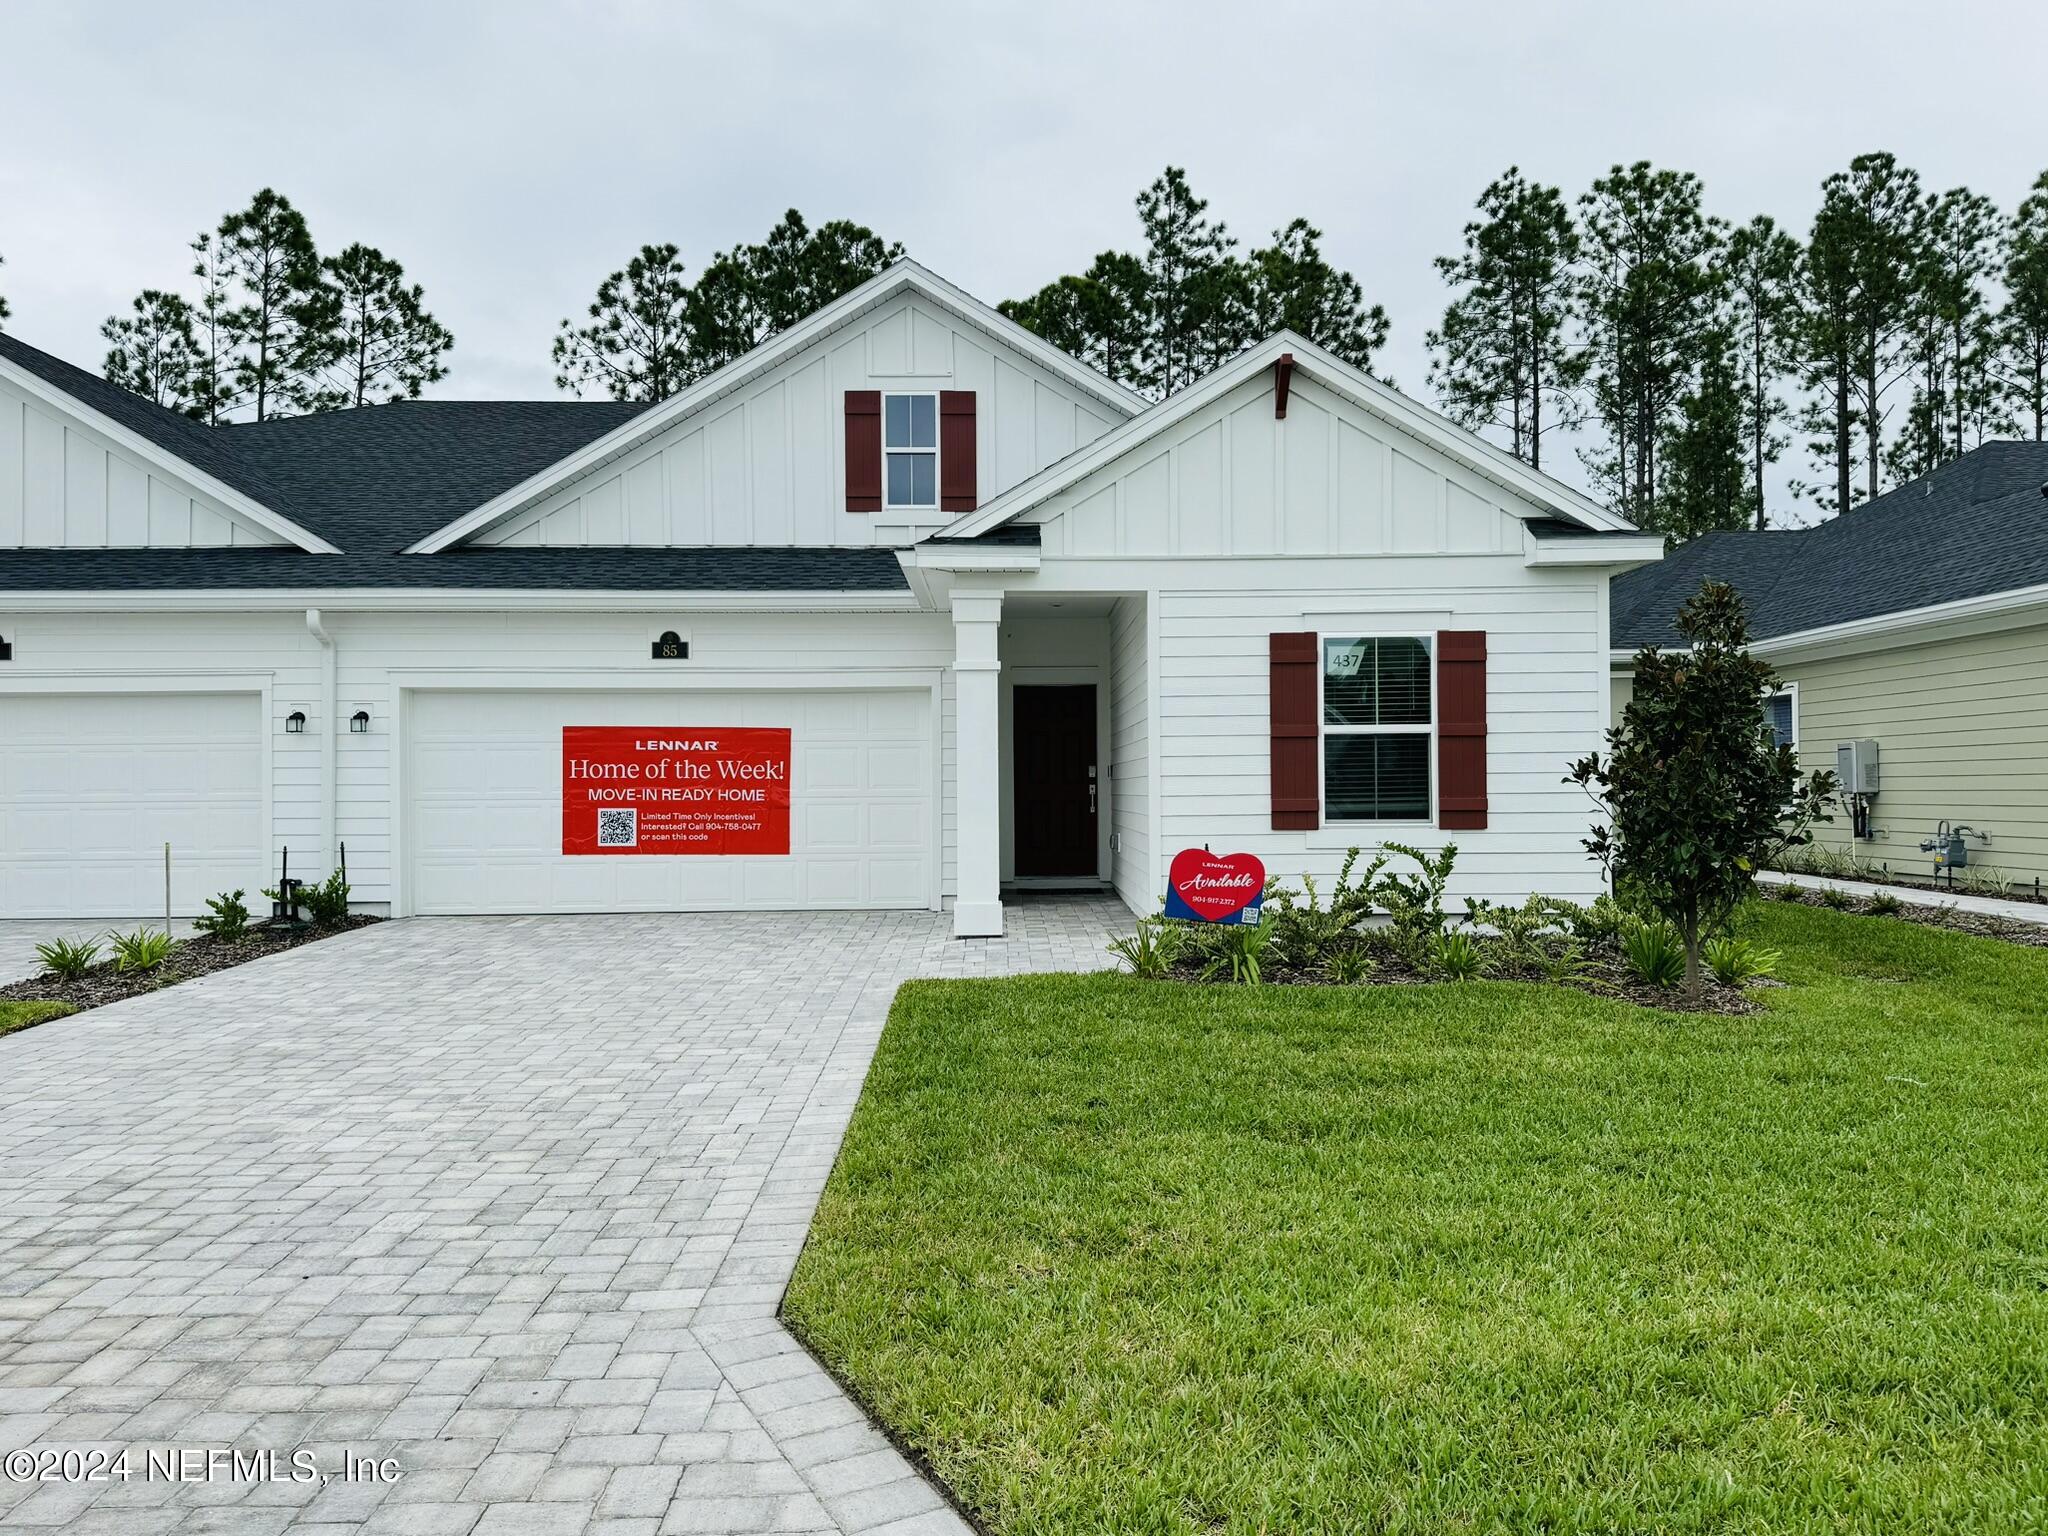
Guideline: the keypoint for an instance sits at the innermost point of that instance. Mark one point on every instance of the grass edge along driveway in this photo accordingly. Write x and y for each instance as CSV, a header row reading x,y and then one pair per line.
x,y
1133,1257
15,1016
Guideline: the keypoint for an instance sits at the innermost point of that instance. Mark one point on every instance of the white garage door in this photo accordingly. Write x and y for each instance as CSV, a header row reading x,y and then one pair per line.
x,y
483,789
92,785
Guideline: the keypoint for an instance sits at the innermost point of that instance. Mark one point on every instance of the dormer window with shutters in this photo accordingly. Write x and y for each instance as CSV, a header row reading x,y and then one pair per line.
x,y
910,452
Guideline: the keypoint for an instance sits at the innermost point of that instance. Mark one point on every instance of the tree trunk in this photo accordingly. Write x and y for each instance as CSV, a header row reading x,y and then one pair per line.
x,y
1843,489
1691,931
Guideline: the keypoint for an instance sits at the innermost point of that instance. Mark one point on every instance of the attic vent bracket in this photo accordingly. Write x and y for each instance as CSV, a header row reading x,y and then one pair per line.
x,y
1283,376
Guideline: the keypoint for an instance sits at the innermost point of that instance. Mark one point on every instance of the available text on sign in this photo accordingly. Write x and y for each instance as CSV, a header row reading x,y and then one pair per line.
x,y
670,789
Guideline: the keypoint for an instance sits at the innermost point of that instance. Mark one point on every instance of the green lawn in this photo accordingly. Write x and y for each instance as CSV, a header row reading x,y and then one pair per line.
x,y
15,1016
1118,1256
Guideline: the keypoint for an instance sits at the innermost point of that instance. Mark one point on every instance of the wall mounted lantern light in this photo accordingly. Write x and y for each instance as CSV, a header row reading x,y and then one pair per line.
x,y
295,723
359,723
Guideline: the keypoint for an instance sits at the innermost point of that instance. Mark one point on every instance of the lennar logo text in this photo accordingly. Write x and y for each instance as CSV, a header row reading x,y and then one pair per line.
x,y
664,744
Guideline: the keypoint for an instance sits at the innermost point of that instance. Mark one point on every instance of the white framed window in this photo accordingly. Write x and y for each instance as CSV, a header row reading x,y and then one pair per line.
x,y
910,451
1378,710
1781,708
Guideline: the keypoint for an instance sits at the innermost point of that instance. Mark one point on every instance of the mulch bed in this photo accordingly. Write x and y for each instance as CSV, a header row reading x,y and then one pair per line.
x,y
1954,919
200,955
1600,977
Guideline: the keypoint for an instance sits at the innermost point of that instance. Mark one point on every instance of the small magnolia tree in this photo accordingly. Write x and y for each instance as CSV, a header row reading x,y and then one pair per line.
x,y
1697,792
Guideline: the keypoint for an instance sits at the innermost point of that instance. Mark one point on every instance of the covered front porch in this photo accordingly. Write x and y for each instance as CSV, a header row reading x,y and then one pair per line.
x,y
1051,759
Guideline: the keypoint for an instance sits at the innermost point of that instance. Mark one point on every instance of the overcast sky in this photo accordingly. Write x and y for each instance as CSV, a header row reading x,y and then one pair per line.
x,y
511,154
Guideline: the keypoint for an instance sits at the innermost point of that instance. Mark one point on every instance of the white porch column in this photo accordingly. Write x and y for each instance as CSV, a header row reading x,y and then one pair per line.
x,y
978,904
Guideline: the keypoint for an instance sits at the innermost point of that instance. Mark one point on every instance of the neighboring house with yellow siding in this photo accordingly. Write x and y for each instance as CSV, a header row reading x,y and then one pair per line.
x,y
1918,621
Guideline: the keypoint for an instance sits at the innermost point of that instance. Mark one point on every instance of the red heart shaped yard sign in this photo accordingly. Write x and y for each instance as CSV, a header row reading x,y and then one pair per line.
x,y
1213,887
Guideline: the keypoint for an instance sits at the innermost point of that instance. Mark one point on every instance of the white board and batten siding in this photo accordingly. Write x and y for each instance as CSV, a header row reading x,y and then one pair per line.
x,y
1236,525
1329,479
766,464
63,485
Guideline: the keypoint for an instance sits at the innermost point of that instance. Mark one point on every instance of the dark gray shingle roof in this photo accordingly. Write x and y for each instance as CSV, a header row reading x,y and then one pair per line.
x,y
385,476
750,569
1975,526
374,480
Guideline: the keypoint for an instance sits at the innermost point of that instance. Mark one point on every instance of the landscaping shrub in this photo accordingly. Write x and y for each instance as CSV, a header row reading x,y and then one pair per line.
x,y
1655,952
1696,792
1416,902
69,959
1350,966
1459,955
226,917
1735,961
326,903
1304,929
1885,904
142,950
1239,951
1152,950
1835,897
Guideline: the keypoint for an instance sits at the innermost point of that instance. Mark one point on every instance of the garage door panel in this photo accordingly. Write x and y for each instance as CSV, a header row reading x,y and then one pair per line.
x,y
92,785
484,803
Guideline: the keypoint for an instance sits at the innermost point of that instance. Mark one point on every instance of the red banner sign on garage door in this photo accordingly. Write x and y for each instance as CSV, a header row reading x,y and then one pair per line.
x,y
674,789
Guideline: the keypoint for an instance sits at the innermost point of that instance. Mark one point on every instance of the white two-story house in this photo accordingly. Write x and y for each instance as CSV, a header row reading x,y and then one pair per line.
x,y
903,609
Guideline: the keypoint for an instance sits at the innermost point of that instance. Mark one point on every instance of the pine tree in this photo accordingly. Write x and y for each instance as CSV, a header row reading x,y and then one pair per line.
x,y
387,346
213,348
1884,220
2022,329
1190,302
1706,480
747,294
1761,272
154,352
282,330
1948,332
1504,352
1100,316
1826,339
1291,286
1649,295
1159,319
637,344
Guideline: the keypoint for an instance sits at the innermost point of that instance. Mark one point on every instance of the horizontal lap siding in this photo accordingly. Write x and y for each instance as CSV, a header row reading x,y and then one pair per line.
x,y
1132,867
1962,734
482,646
1548,690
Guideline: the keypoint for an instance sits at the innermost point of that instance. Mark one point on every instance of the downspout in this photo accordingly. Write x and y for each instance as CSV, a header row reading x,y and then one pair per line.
x,y
328,707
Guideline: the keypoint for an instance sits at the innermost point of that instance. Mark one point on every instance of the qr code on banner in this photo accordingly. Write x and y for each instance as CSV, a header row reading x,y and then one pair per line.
x,y
618,829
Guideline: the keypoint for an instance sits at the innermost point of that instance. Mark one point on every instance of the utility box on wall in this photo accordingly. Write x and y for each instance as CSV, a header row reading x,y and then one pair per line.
x,y
1856,767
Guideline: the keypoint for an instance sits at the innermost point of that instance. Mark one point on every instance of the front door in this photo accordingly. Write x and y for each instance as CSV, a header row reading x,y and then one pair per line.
x,y
1054,775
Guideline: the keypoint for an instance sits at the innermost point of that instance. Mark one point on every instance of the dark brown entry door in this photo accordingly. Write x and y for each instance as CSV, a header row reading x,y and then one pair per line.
x,y
1054,779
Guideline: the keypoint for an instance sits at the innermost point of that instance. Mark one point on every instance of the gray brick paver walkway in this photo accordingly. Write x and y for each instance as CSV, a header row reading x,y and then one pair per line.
x,y
512,1201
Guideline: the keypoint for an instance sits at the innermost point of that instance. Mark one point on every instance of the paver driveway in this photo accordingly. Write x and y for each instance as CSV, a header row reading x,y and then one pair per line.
x,y
512,1201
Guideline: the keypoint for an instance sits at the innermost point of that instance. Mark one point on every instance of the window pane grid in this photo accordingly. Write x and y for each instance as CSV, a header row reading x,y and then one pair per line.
x,y
910,440
1376,728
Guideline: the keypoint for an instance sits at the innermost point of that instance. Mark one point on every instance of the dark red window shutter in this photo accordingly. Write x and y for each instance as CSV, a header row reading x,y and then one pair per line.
x,y
1461,729
957,483
863,450
1297,780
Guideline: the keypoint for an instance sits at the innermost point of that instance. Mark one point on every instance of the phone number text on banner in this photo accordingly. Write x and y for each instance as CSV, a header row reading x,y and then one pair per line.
x,y
675,789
